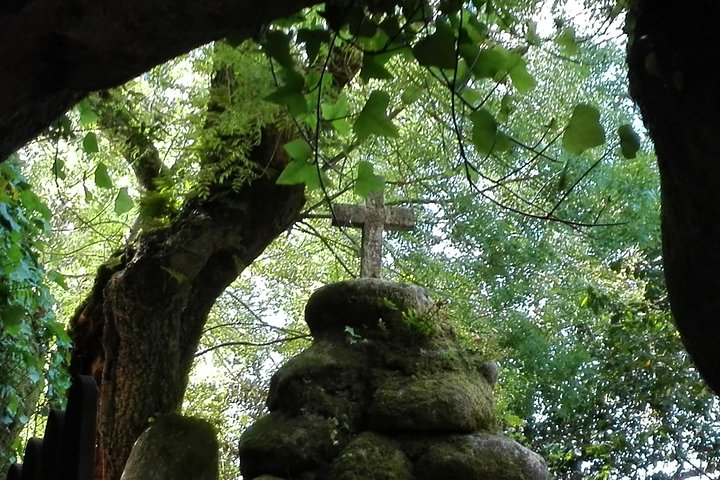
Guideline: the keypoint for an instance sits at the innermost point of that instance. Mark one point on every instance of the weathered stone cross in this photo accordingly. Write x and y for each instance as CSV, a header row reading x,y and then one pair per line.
x,y
373,218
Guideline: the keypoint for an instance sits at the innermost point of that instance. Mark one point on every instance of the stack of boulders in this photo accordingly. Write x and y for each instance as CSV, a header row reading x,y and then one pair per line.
x,y
384,392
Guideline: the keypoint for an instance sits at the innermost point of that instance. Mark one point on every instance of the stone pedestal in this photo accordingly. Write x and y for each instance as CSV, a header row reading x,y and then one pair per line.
x,y
384,392
174,448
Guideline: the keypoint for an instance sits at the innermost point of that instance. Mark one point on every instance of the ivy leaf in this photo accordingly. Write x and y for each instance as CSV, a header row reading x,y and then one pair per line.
x,y
411,94
300,171
629,141
436,50
58,278
312,40
299,149
8,220
277,45
102,178
335,111
87,114
520,77
584,129
367,182
373,119
373,66
123,202
484,131
60,332
291,94
32,202
58,169
567,41
531,35
12,317
90,143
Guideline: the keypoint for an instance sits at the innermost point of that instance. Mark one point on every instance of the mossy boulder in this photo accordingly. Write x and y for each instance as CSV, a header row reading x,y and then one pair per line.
x,y
440,402
328,379
283,445
372,457
372,306
480,457
385,392
174,447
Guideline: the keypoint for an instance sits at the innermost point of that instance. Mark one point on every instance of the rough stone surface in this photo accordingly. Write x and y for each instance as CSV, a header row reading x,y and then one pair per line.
x,y
385,392
372,457
441,402
481,457
174,448
361,304
278,444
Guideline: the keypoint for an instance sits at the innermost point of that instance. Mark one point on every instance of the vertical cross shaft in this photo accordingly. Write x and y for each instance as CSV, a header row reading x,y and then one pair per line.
x,y
373,218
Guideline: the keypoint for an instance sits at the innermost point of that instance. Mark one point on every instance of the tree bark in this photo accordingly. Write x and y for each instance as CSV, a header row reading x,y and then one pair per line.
x,y
152,299
54,52
673,79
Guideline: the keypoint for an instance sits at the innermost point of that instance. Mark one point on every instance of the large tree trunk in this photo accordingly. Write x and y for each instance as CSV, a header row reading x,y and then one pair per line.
x,y
674,79
152,300
54,52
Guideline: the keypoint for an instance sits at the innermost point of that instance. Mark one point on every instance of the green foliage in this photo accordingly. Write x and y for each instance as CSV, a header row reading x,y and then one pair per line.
x,y
431,95
373,119
33,346
367,181
584,129
420,324
629,141
437,49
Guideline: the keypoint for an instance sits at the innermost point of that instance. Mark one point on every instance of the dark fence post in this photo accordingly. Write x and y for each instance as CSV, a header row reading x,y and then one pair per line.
x,y
67,451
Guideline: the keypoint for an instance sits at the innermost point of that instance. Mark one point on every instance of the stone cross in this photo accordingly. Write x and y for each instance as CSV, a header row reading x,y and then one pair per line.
x,y
373,218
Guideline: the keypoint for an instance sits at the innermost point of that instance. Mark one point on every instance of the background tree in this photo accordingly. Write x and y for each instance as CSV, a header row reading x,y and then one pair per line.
x,y
491,155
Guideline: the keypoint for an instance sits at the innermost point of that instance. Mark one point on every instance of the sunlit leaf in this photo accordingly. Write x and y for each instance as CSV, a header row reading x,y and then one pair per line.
x,y
300,171
299,149
87,114
373,119
484,131
58,278
566,39
90,143
531,34
367,181
58,168
520,77
123,202
490,62
584,129
411,94
102,178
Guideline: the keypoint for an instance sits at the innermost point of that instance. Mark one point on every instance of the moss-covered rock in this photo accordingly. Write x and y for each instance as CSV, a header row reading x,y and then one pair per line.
x,y
174,448
282,445
372,457
480,457
386,392
328,379
370,305
441,402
